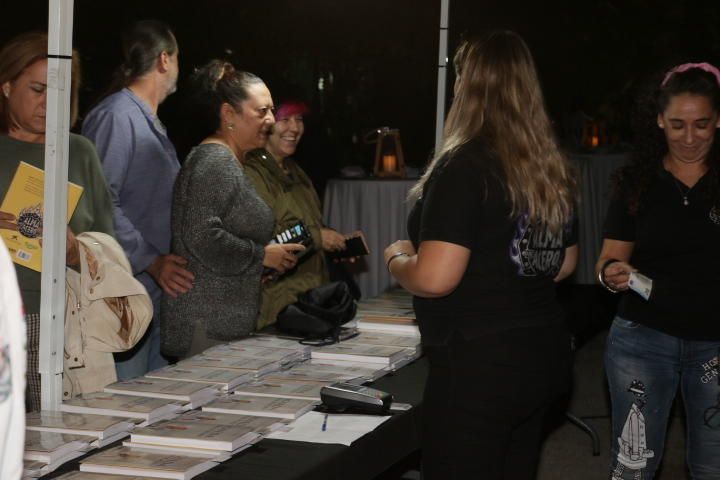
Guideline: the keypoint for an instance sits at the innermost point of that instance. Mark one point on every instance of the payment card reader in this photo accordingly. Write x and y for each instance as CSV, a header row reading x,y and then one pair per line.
x,y
341,396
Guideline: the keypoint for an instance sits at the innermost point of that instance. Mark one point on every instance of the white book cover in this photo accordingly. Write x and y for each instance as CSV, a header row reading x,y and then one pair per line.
x,y
281,355
130,461
97,476
131,406
48,447
258,365
312,376
212,455
291,389
227,378
379,354
261,425
388,339
368,371
194,434
242,405
99,426
194,393
272,342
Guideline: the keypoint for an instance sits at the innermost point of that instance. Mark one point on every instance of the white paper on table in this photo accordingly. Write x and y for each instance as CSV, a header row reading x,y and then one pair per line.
x,y
340,428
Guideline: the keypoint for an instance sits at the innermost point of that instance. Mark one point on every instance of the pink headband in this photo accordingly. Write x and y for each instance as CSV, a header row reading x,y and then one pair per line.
x,y
288,109
689,66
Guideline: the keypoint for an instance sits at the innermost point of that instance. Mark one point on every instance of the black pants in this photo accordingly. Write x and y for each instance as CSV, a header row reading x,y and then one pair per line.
x,y
485,403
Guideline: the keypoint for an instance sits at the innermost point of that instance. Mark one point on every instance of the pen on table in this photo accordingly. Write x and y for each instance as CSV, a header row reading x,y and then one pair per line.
x,y
324,424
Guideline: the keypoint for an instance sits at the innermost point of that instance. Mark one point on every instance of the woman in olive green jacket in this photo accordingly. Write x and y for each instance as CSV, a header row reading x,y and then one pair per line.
x,y
289,193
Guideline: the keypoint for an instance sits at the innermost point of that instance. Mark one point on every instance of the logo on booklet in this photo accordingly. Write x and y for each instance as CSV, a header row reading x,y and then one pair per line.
x,y
30,221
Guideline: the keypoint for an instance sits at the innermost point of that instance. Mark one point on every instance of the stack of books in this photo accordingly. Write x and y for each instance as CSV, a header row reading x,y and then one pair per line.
x,y
372,354
391,312
282,355
411,342
96,476
259,406
310,375
131,461
358,373
106,429
147,409
278,389
257,366
194,394
272,341
225,378
258,424
200,435
46,451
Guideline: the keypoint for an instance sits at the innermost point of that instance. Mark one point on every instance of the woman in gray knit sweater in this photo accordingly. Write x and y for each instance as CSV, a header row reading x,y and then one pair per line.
x,y
219,223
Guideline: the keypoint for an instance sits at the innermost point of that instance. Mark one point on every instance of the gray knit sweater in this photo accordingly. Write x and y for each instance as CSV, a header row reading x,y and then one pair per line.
x,y
220,225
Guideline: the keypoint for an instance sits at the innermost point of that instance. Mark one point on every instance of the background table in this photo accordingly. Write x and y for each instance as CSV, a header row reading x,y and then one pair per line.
x,y
379,209
594,181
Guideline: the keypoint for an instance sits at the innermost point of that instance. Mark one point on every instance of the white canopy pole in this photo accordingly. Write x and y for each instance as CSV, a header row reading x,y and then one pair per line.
x,y
52,303
442,73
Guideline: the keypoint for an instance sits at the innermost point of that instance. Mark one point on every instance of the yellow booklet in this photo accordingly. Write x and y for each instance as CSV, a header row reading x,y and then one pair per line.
x,y
24,199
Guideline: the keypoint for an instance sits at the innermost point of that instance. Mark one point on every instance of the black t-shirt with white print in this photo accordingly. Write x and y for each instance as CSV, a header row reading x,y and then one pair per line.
x,y
676,245
508,282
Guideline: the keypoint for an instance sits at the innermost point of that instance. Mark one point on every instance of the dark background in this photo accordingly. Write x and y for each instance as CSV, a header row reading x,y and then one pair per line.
x,y
377,59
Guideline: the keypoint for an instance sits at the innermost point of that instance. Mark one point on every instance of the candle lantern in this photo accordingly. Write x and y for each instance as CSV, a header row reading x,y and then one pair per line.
x,y
389,160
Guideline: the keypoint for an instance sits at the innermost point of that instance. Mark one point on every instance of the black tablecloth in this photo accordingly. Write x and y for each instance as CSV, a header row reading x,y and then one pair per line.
x,y
368,457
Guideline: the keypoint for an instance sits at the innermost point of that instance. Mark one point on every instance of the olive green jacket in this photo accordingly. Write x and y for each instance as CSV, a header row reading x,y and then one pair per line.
x,y
292,198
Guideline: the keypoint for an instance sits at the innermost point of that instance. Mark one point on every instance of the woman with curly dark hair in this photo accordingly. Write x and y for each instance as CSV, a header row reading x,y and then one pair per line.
x,y
659,252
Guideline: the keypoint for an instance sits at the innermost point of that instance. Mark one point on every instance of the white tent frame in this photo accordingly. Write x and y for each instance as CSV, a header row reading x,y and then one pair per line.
x,y
52,303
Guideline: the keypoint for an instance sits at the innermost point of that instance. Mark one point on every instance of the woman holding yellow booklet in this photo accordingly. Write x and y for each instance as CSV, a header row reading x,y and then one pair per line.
x,y
23,85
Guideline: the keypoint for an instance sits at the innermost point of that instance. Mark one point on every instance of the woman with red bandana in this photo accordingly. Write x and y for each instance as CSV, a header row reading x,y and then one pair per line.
x,y
289,192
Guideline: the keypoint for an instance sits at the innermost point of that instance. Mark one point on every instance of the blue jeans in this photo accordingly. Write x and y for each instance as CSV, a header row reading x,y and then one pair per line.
x,y
644,369
145,355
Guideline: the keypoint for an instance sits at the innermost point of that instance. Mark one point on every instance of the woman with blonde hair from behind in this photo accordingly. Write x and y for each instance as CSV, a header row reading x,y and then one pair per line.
x,y
491,231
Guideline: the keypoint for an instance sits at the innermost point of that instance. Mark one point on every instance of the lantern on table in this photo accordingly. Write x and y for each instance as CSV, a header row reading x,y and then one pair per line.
x,y
389,161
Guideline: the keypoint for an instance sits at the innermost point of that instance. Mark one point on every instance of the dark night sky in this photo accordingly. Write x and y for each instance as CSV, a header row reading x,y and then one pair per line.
x,y
377,58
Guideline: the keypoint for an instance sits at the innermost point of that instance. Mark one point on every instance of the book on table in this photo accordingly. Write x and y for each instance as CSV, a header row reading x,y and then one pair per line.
x,y
131,461
131,406
261,425
97,476
100,426
288,389
225,378
194,434
271,341
49,447
257,365
388,339
25,200
293,375
196,394
282,355
249,405
379,354
356,372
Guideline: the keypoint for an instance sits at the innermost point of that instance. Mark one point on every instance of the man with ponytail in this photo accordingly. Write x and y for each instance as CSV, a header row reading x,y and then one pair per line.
x,y
140,165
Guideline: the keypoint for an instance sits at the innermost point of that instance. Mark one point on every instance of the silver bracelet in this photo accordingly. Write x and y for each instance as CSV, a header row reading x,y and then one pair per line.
x,y
393,257
601,276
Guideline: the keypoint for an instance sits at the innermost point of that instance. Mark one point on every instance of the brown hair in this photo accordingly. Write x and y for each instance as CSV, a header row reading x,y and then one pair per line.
x,y
216,83
498,99
21,52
